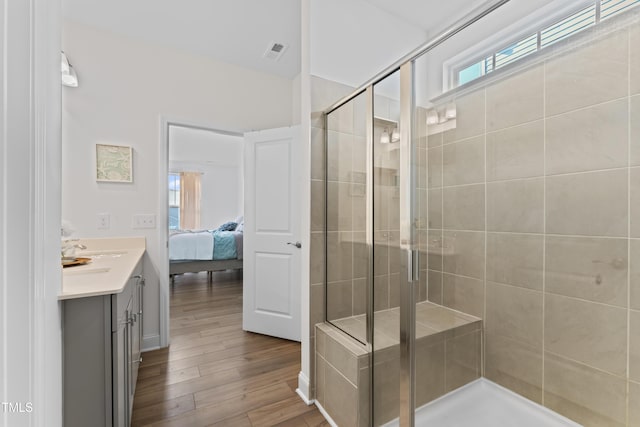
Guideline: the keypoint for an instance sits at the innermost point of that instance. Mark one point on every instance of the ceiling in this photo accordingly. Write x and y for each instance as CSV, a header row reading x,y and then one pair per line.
x,y
232,31
240,31
429,15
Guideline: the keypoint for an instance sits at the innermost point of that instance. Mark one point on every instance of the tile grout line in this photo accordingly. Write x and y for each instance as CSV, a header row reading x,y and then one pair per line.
x,y
528,233
442,223
544,221
485,234
628,223
587,365
536,177
353,258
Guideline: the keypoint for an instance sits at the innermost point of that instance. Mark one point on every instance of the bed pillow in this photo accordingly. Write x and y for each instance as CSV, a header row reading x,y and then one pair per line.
x,y
240,227
228,226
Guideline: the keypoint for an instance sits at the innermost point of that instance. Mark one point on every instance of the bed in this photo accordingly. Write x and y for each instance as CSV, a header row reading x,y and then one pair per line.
x,y
192,251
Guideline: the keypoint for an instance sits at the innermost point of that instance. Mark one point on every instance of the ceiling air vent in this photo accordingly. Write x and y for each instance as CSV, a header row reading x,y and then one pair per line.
x,y
275,51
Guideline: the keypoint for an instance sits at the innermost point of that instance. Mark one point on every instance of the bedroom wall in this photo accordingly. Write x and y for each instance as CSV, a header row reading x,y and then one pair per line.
x,y
126,86
220,159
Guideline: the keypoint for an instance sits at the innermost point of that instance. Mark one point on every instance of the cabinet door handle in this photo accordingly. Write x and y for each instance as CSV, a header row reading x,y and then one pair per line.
x,y
132,319
139,278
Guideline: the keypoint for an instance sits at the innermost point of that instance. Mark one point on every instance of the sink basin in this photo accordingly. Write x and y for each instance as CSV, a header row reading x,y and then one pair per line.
x,y
102,254
93,270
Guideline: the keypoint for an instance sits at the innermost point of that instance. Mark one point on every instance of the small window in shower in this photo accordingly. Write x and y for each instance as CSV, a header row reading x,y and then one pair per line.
x,y
568,26
560,29
475,70
611,8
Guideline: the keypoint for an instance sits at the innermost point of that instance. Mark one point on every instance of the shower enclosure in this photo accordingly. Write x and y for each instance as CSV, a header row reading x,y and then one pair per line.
x,y
482,227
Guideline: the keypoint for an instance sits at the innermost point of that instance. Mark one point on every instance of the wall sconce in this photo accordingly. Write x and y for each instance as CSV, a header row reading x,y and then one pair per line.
x,y
450,111
387,137
432,117
384,138
388,129
395,135
435,116
69,76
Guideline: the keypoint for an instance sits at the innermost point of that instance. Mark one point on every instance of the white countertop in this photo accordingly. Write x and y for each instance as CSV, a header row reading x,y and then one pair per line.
x,y
113,261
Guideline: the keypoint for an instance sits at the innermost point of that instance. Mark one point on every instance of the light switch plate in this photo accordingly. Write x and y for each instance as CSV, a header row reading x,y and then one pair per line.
x,y
144,221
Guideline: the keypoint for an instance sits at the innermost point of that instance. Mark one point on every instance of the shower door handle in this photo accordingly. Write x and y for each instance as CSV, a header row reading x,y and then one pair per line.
x,y
413,265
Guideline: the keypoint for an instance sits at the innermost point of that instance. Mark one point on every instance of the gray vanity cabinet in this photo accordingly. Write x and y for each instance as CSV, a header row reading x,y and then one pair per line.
x,y
102,338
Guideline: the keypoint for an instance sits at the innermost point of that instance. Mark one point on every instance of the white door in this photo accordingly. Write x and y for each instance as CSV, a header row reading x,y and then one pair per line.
x,y
271,294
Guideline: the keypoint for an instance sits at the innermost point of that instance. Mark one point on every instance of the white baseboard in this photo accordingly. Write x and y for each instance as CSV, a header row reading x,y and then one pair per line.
x,y
303,388
326,415
150,342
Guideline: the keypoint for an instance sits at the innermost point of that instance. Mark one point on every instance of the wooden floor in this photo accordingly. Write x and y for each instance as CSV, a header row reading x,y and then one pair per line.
x,y
214,373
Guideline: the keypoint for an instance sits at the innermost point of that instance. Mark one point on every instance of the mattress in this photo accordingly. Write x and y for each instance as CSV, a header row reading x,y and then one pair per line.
x,y
203,245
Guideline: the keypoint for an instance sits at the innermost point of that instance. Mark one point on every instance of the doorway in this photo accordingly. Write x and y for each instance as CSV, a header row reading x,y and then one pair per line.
x,y
203,169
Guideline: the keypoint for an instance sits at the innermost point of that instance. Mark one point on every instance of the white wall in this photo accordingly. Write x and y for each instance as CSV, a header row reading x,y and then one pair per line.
x,y
352,41
303,103
220,160
126,86
296,99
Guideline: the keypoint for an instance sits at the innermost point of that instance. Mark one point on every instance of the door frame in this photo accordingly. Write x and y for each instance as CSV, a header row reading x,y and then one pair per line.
x,y
31,330
163,217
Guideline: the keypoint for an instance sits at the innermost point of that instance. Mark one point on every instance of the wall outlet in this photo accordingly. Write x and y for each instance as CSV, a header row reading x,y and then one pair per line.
x,y
104,221
144,221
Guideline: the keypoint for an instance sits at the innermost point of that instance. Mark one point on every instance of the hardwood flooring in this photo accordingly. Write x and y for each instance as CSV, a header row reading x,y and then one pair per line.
x,y
216,374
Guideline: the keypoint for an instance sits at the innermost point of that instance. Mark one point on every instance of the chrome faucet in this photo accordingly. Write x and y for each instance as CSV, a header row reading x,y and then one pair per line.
x,y
77,245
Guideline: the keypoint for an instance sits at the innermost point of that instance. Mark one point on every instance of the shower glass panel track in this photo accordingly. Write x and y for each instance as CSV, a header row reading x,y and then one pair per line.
x,y
481,242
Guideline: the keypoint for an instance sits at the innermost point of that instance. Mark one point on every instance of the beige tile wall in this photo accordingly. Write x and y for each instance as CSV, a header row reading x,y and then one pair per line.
x,y
342,377
533,207
323,94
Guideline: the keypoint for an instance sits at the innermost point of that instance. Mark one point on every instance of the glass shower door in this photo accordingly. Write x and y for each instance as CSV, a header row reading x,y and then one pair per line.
x,y
346,207
394,266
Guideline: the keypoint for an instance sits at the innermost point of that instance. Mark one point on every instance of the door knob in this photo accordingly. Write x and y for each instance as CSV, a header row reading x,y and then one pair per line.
x,y
296,244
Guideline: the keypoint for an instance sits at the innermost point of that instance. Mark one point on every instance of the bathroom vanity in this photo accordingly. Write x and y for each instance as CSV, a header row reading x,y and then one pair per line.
x,y
102,329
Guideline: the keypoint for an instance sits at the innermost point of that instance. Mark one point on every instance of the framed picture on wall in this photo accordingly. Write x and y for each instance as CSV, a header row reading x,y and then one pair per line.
x,y
114,163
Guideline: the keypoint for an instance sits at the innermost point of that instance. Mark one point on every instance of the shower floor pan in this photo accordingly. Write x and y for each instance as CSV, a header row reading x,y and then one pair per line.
x,y
483,403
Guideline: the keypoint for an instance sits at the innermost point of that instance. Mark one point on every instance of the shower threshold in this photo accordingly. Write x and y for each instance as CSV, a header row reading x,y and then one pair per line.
x,y
483,403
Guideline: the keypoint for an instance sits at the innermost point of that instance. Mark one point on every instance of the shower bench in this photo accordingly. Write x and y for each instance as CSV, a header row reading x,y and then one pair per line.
x,y
448,356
